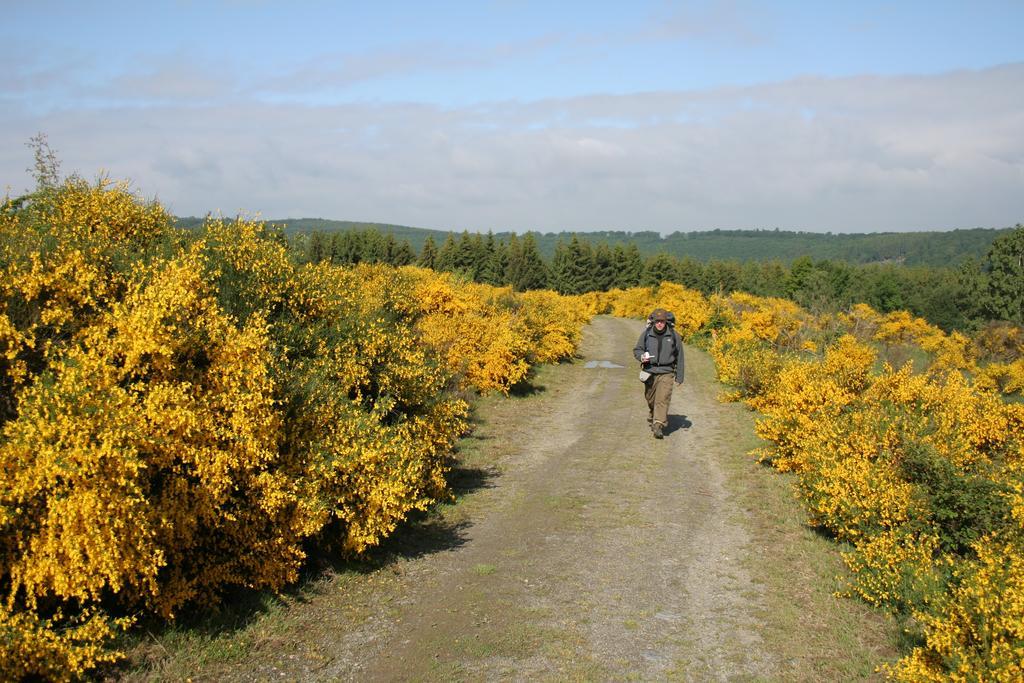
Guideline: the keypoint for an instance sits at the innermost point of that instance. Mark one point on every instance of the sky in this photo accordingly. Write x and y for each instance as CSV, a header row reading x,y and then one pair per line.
x,y
505,115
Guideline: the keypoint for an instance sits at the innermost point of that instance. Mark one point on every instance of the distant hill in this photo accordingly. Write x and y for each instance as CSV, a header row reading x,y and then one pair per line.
x,y
909,248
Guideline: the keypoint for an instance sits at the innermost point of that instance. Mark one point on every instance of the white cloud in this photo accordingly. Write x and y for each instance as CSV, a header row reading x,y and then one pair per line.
x,y
719,21
854,154
171,79
336,71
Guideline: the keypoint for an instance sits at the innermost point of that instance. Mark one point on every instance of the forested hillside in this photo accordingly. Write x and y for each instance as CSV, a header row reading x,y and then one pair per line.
x,y
907,248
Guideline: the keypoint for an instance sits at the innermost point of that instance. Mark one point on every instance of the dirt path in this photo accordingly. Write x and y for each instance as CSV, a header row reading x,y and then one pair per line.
x,y
608,555
595,552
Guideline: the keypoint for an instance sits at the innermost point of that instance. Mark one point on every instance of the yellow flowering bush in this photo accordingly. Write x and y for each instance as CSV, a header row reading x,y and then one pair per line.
x,y
861,321
976,631
1006,378
161,423
910,468
636,302
806,399
692,310
1001,342
554,322
900,327
896,568
55,649
485,343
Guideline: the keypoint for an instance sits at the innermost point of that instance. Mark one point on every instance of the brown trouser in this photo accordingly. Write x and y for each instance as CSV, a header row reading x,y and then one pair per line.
x,y
658,392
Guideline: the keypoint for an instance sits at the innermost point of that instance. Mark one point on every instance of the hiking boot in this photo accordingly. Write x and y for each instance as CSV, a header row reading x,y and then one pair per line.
x,y
658,433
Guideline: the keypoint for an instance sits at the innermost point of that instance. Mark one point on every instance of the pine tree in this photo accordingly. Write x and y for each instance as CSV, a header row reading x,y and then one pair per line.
x,y
513,260
885,293
491,270
464,257
477,258
403,254
446,255
318,248
384,247
604,275
334,250
501,262
428,256
691,272
629,266
572,267
660,268
721,276
351,247
773,279
525,269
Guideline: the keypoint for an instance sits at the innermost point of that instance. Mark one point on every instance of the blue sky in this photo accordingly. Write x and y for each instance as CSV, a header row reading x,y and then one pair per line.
x,y
518,115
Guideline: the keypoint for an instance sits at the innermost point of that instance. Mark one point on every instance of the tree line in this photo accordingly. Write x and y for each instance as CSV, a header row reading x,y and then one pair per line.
x,y
923,248
963,297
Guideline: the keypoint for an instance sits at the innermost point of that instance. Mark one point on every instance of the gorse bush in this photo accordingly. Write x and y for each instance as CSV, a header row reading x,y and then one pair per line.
x,y
186,412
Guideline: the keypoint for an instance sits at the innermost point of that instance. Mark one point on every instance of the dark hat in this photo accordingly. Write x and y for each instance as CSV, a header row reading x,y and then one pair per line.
x,y
659,314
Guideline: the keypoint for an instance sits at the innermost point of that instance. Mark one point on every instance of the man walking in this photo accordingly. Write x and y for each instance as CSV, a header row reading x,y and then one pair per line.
x,y
660,352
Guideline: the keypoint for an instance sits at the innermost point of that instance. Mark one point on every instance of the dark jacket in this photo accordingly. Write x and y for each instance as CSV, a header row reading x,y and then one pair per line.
x,y
666,351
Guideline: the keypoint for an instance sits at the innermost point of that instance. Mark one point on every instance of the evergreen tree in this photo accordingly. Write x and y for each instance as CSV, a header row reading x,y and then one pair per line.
x,y
660,268
446,255
932,293
629,266
501,262
491,269
464,260
752,278
841,278
808,285
402,255
335,248
380,247
773,278
526,269
350,247
572,267
428,256
479,258
721,276
318,249
691,273
513,260
604,276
